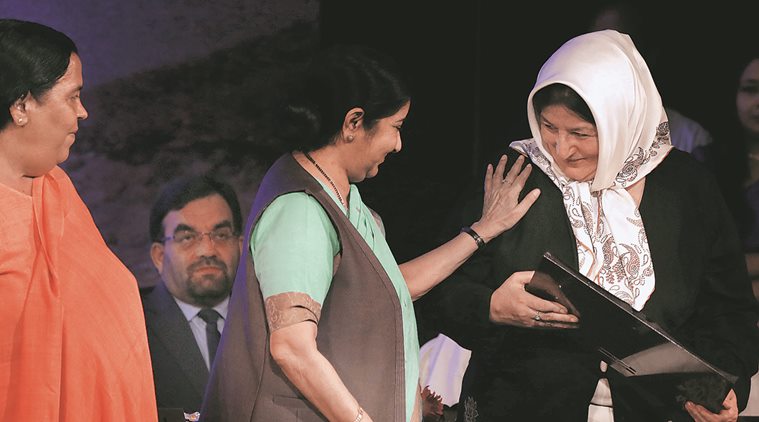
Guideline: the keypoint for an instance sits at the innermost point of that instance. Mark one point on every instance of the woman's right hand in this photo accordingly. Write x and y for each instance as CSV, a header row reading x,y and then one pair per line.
x,y
511,304
501,208
729,412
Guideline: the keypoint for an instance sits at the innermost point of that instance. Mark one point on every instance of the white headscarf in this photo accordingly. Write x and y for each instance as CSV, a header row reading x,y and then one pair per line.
x,y
606,70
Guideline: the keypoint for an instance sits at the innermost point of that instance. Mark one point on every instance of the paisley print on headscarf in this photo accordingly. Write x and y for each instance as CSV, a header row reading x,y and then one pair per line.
x,y
606,70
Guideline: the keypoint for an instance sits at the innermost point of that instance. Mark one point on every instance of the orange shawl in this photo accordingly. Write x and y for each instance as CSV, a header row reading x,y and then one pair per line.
x,y
72,344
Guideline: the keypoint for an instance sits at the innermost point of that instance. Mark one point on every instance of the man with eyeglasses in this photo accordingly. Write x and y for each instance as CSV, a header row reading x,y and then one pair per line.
x,y
195,230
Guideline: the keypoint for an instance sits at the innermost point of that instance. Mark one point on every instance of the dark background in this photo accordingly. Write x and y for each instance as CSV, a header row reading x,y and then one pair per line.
x,y
188,86
472,66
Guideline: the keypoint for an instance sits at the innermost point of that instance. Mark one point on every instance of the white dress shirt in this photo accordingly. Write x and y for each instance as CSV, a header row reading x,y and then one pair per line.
x,y
198,326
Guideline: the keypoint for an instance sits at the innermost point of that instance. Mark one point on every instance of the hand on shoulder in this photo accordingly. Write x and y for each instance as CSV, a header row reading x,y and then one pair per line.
x,y
501,208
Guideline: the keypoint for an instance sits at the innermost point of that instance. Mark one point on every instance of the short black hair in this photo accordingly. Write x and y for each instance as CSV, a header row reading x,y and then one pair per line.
x,y
338,79
181,191
560,94
33,57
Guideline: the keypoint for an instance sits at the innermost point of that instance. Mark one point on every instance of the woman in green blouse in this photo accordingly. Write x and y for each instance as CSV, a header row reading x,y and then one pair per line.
x,y
318,259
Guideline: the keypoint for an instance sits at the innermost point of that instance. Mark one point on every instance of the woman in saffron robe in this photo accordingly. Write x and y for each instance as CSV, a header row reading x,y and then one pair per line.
x,y
74,346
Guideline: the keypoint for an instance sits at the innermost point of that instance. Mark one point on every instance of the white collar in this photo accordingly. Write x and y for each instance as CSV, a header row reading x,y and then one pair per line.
x,y
191,311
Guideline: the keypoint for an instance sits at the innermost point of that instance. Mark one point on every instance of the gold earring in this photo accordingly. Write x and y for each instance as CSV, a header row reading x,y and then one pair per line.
x,y
350,138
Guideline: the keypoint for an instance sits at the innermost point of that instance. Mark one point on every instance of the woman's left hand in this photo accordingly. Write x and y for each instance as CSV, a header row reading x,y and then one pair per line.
x,y
729,412
501,208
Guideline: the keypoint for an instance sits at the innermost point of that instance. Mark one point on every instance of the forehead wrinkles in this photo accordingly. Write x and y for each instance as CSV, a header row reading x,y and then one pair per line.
x,y
559,114
210,211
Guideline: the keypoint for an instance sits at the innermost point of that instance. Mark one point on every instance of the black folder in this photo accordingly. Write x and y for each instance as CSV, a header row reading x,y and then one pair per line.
x,y
662,372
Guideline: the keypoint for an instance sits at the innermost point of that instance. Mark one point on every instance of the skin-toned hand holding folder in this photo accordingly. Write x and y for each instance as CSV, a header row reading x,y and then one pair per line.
x,y
661,370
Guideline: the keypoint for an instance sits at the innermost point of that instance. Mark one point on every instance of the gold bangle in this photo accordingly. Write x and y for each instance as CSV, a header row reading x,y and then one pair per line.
x,y
360,415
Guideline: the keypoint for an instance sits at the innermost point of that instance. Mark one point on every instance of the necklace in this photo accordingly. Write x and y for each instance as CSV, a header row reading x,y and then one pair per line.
x,y
329,179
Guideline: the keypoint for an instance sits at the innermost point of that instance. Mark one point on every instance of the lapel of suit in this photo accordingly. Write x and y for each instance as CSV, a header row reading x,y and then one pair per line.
x,y
169,325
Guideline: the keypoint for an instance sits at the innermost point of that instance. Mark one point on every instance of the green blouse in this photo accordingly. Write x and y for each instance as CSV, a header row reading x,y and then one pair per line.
x,y
293,246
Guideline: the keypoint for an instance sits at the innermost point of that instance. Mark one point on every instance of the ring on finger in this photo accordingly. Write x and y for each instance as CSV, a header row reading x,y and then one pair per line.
x,y
537,316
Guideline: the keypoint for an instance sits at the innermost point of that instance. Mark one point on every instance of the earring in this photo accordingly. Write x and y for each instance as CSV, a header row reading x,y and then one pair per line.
x,y
21,121
350,138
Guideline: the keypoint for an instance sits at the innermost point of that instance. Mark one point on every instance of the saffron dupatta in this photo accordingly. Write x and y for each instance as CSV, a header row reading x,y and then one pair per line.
x,y
74,345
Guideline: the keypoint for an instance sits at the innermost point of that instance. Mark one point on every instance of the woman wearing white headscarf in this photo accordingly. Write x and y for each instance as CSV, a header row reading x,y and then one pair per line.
x,y
641,219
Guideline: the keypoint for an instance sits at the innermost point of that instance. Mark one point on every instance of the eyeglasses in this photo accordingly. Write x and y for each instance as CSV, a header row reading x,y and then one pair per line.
x,y
189,238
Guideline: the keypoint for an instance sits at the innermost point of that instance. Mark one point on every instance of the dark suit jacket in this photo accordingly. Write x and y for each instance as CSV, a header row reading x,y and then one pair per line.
x,y
702,297
178,367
